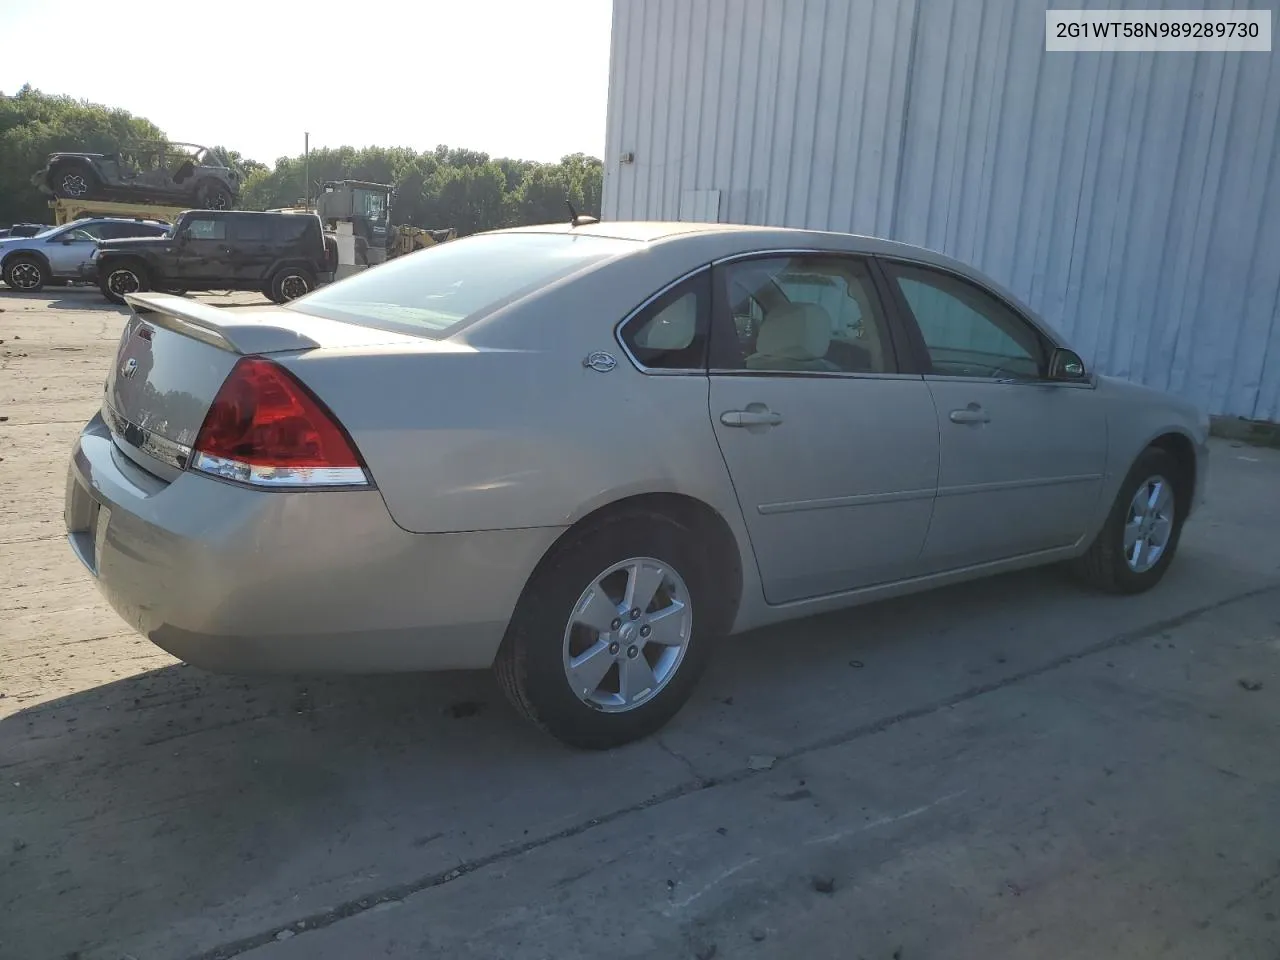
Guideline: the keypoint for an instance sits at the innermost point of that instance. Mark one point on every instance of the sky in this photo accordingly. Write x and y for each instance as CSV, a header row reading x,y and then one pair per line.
x,y
514,79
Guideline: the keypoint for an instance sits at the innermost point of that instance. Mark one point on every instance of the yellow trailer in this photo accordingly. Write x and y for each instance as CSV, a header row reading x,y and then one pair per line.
x,y
66,210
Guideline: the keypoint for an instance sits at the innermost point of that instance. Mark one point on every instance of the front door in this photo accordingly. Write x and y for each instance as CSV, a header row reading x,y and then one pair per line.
x,y
1021,457
69,250
204,254
833,453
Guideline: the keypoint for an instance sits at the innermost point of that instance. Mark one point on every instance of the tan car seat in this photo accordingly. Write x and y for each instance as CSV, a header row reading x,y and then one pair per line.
x,y
794,337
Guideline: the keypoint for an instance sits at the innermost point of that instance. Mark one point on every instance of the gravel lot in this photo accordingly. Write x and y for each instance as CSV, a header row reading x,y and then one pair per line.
x,y
1006,769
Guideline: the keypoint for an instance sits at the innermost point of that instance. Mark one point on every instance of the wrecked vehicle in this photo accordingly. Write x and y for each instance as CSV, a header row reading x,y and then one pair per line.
x,y
150,172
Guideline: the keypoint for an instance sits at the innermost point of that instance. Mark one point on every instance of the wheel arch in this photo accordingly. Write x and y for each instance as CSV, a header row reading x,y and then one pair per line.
x,y
30,255
1182,448
204,182
125,260
291,263
707,526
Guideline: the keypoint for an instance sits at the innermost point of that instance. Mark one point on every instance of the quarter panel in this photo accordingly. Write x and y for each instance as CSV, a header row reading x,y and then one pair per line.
x,y
499,439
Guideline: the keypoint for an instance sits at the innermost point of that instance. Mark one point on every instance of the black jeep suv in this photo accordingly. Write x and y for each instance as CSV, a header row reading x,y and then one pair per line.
x,y
282,254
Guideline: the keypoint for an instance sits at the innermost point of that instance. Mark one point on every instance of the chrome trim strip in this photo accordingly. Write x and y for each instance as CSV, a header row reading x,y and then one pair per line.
x,y
1089,384
617,330
857,500
900,496
790,252
899,258
238,471
997,485
159,448
832,374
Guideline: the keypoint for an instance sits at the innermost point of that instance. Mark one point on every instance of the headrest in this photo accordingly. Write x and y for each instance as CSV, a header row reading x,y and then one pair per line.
x,y
796,331
673,328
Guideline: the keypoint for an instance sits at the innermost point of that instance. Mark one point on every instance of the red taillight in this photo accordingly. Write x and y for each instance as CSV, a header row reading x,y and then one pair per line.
x,y
265,428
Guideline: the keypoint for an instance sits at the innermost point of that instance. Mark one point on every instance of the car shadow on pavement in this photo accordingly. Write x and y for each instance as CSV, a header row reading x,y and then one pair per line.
x,y
182,800
63,298
87,297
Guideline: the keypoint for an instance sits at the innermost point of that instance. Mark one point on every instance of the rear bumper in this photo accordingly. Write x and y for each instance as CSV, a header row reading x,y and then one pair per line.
x,y
247,581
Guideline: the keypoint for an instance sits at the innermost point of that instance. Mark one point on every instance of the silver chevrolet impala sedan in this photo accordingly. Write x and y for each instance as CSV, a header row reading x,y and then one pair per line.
x,y
580,453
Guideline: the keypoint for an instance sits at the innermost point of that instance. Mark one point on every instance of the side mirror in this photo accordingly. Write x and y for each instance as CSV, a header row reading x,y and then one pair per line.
x,y
1066,365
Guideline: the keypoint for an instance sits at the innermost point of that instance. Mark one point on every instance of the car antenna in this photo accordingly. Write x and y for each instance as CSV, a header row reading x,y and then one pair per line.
x,y
576,219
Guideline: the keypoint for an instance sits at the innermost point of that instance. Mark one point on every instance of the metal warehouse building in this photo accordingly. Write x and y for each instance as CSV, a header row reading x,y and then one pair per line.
x,y
1133,199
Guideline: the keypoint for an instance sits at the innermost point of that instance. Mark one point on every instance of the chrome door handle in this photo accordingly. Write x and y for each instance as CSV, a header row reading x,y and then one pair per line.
x,y
750,418
970,414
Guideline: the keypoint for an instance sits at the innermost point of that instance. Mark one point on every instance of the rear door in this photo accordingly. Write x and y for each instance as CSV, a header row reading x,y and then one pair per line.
x,y
251,247
1021,456
831,444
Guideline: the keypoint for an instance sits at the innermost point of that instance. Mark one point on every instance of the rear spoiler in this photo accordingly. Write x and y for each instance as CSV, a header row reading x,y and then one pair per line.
x,y
247,332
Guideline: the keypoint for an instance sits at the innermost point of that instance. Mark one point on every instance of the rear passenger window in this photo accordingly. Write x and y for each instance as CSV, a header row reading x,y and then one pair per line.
x,y
289,228
801,314
671,332
113,231
253,229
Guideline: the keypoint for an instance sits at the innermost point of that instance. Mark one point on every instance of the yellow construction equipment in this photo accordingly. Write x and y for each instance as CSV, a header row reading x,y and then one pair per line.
x,y
67,210
408,239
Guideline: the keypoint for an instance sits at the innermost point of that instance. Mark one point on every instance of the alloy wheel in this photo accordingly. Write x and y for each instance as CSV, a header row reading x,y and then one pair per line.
x,y
1148,524
123,281
24,276
74,185
627,634
294,286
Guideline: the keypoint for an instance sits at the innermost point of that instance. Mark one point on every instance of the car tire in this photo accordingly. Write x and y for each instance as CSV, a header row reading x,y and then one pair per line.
x,y
74,181
290,283
1133,549
211,195
122,279
26,274
547,637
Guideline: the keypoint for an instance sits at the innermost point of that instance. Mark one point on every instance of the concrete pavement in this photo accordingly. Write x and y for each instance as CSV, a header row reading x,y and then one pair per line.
x,y
1009,768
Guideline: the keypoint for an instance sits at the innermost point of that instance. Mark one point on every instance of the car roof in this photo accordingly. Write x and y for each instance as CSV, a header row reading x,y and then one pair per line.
x,y
147,220
747,236
706,242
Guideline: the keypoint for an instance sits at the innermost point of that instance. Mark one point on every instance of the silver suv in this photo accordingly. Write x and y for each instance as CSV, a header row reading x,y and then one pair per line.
x,y
60,254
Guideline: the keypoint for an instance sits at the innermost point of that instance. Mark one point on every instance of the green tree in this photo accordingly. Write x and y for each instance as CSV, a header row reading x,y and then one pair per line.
x,y
443,187
34,125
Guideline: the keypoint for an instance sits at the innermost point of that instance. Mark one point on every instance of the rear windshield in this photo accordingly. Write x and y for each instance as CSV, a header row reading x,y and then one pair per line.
x,y
436,291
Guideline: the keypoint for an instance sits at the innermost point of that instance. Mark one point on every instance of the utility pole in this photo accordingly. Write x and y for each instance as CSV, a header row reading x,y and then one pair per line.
x,y
306,170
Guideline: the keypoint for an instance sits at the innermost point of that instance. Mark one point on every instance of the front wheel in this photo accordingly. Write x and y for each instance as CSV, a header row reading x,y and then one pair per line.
x,y
611,633
121,280
1140,537
26,274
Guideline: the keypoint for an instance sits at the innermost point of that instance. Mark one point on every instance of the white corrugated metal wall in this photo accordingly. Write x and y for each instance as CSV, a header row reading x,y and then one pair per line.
x,y
1133,199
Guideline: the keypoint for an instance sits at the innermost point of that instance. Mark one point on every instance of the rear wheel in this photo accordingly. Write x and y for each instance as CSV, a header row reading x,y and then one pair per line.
x,y
27,274
290,283
1140,537
73,181
212,195
611,633
123,279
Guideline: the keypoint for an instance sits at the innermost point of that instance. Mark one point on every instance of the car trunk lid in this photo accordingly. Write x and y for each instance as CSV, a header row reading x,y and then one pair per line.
x,y
175,354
